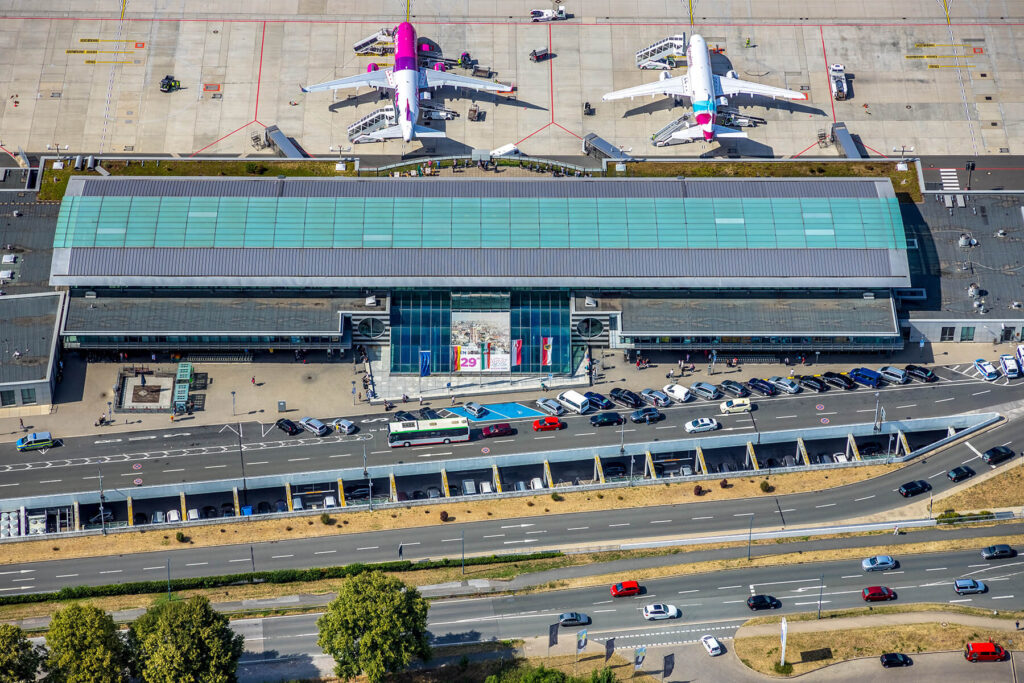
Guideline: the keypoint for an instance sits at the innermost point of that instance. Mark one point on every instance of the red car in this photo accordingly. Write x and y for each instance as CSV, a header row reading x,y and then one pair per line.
x,y
500,429
625,588
877,593
548,424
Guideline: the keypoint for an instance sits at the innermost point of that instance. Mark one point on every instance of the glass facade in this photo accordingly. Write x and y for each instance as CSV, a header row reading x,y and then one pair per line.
x,y
421,321
540,314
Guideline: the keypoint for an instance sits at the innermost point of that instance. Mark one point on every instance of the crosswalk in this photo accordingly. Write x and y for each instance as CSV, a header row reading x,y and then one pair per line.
x,y
950,180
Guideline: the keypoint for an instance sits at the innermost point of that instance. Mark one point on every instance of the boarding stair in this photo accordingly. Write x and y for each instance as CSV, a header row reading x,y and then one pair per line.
x,y
664,137
380,43
664,54
359,131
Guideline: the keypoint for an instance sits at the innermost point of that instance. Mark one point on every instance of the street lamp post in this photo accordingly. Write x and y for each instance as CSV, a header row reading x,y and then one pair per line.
x,y
232,404
969,167
878,403
241,459
366,475
103,520
631,470
750,536
110,406
353,392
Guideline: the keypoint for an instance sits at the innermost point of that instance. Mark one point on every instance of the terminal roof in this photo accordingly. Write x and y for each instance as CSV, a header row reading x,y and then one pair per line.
x,y
29,324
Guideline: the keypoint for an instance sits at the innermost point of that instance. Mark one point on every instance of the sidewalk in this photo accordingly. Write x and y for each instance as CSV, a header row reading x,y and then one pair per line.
x,y
877,620
324,389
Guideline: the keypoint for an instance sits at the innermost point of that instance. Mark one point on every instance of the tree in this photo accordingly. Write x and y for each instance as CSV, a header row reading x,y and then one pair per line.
x,y
19,658
376,625
85,646
184,641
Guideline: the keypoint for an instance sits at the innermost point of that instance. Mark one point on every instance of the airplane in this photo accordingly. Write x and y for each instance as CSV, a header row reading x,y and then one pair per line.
x,y
406,78
703,88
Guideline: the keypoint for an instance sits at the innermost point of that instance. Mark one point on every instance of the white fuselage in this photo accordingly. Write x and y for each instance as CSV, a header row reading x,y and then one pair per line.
x,y
407,102
702,87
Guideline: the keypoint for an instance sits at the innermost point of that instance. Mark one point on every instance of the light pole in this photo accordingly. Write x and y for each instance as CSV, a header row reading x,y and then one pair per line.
x,y
366,474
969,167
754,425
750,536
232,404
631,470
878,403
353,392
103,520
109,410
821,591
241,459
622,438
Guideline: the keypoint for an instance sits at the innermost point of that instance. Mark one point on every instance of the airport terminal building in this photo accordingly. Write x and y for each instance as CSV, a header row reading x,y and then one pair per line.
x,y
471,275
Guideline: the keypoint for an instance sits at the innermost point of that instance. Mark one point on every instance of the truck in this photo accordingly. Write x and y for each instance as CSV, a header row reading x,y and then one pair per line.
x,y
548,14
837,78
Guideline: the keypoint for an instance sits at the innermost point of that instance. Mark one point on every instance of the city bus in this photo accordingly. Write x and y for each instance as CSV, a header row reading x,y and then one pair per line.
x,y
422,432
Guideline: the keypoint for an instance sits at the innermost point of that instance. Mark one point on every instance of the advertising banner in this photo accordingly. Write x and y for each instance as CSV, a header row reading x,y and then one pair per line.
x,y
480,341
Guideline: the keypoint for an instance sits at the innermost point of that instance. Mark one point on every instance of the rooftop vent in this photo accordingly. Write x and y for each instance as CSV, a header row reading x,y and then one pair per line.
x,y
590,302
371,301
870,296
1000,233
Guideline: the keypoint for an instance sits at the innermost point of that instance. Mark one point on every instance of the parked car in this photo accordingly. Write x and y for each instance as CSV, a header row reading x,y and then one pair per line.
x,y
314,426
878,563
500,429
173,515
838,380
548,424
404,416
711,644
227,509
550,406
625,589
105,516
614,469
984,652
429,414
878,594
758,602
193,513
330,502
280,505
912,488
785,384
433,492
288,427
987,371
659,611
1008,364
708,392
605,419
894,375
736,405
922,373
733,388
263,508
357,492
158,517
968,586
677,392
573,619
646,415
761,386
996,455
960,473
536,484
811,382
701,424
655,398
344,426
597,400
894,659
626,398
209,512
998,552
475,409
141,518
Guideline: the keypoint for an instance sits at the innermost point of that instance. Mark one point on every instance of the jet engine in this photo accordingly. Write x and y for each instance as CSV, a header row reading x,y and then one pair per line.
x,y
372,67
440,67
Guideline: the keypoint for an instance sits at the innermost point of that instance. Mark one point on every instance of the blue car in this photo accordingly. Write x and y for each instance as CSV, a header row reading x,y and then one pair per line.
x,y
598,401
986,369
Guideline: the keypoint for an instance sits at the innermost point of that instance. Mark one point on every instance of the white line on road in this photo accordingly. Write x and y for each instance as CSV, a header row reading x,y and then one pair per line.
x,y
962,600
833,413
340,455
936,569
857,500
696,518
503,440
823,602
695,590
450,540
909,405
1001,597
666,427
624,524
937,474
851,576
146,569
50,481
183,469
495,536
107,441
826,505
214,467
743,514
324,552
543,437
660,521
577,528
602,602
599,611
65,576
731,602
241,559
590,434
535,532
722,588
140,438
257,462
281,557
891,573
979,393
784,417
943,400
196,564
297,459
112,571
867,410
971,566
369,547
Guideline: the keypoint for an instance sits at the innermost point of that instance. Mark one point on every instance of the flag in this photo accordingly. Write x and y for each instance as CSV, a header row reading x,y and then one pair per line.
x,y
669,666
553,635
581,641
424,363
485,355
545,350
609,648
517,352
638,658
456,358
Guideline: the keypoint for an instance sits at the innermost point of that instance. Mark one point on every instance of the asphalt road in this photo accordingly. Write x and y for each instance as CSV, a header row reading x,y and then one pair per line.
x,y
193,454
709,603
990,173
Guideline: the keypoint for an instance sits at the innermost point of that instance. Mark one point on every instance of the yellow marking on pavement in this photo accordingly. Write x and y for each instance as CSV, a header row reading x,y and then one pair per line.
x,y
951,66
98,52
93,61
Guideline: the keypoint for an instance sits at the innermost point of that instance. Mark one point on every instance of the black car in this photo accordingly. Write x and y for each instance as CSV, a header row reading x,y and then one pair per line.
x,y
734,388
357,492
912,488
757,602
626,398
810,382
922,373
404,416
419,495
263,508
598,400
891,659
614,469
209,512
761,386
996,552
429,414
838,380
960,473
605,419
288,427
227,509
996,455
646,415
280,505
870,448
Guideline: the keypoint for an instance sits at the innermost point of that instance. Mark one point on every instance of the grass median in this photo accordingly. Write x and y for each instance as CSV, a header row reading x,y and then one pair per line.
x,y
1004,490
149,539
822,648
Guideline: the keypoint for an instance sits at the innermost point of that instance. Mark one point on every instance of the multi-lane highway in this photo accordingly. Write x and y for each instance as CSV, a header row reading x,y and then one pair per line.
x,y
210,453
709,603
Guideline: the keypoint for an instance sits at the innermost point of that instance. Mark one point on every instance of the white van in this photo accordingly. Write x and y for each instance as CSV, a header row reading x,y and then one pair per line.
x,y
574,401
468,487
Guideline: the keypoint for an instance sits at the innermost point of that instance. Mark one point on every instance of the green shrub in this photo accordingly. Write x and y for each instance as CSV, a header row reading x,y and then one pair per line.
x,y
181,537
557,497
766,487
783,669
326,519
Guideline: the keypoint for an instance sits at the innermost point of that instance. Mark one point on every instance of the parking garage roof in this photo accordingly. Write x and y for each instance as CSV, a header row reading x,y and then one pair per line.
x,y
30,323
119,229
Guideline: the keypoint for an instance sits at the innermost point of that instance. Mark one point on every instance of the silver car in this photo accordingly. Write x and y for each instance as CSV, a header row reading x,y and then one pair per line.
x,y
706,391
551,406
878,563
784,384
314,426
968,586
475,409
344,426
655,398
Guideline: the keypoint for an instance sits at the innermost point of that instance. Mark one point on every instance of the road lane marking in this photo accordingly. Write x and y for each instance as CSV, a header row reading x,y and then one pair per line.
x,y
196,564
599,611
732,602
50,481
867,410
495,536
577,528
241,559
962,600
66,576
536,532
588,434
324,552
297,459
183,469
112,571
857,500
256,462
146,569
937,474
1001,597
826,505
660,521
695,590
943,400
503,440
624,524
214,467
815,602
851,576
602,602
979,393
971,566
936,569
743,514
722,588
909,405
696,518
784,417
281,557
543,437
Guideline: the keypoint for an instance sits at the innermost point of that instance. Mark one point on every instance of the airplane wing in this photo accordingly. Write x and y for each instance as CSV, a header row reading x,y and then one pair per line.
x,y
430,78
733,86
374,79
679,85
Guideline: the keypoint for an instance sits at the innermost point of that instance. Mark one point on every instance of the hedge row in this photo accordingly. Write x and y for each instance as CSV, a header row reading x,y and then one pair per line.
x,y
276,576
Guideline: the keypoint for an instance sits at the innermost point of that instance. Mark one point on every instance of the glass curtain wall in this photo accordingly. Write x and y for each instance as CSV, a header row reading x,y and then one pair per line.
x,y
421,321
540,314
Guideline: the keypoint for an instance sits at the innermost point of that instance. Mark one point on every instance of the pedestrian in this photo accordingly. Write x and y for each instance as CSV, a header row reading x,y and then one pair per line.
x,y
360,397
680,365
253,380
453,400
152,357
21,423
896,530
787,360
1017,625
421,400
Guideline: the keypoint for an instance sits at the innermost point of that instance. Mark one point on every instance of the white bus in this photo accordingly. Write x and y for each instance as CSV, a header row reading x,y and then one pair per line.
x,y
422,432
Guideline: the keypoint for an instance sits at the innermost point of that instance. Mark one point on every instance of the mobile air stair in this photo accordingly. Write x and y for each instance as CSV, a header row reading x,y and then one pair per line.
x,y
664,54
359,131
380,43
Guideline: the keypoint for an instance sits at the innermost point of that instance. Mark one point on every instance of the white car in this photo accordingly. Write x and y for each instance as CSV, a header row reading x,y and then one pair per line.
x,y
344,426
712,645
660,611
735,405
1009,365
677,392
987,371
173,516
701,424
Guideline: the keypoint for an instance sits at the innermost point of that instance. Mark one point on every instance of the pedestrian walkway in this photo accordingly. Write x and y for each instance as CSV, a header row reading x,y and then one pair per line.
x,y
877,620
